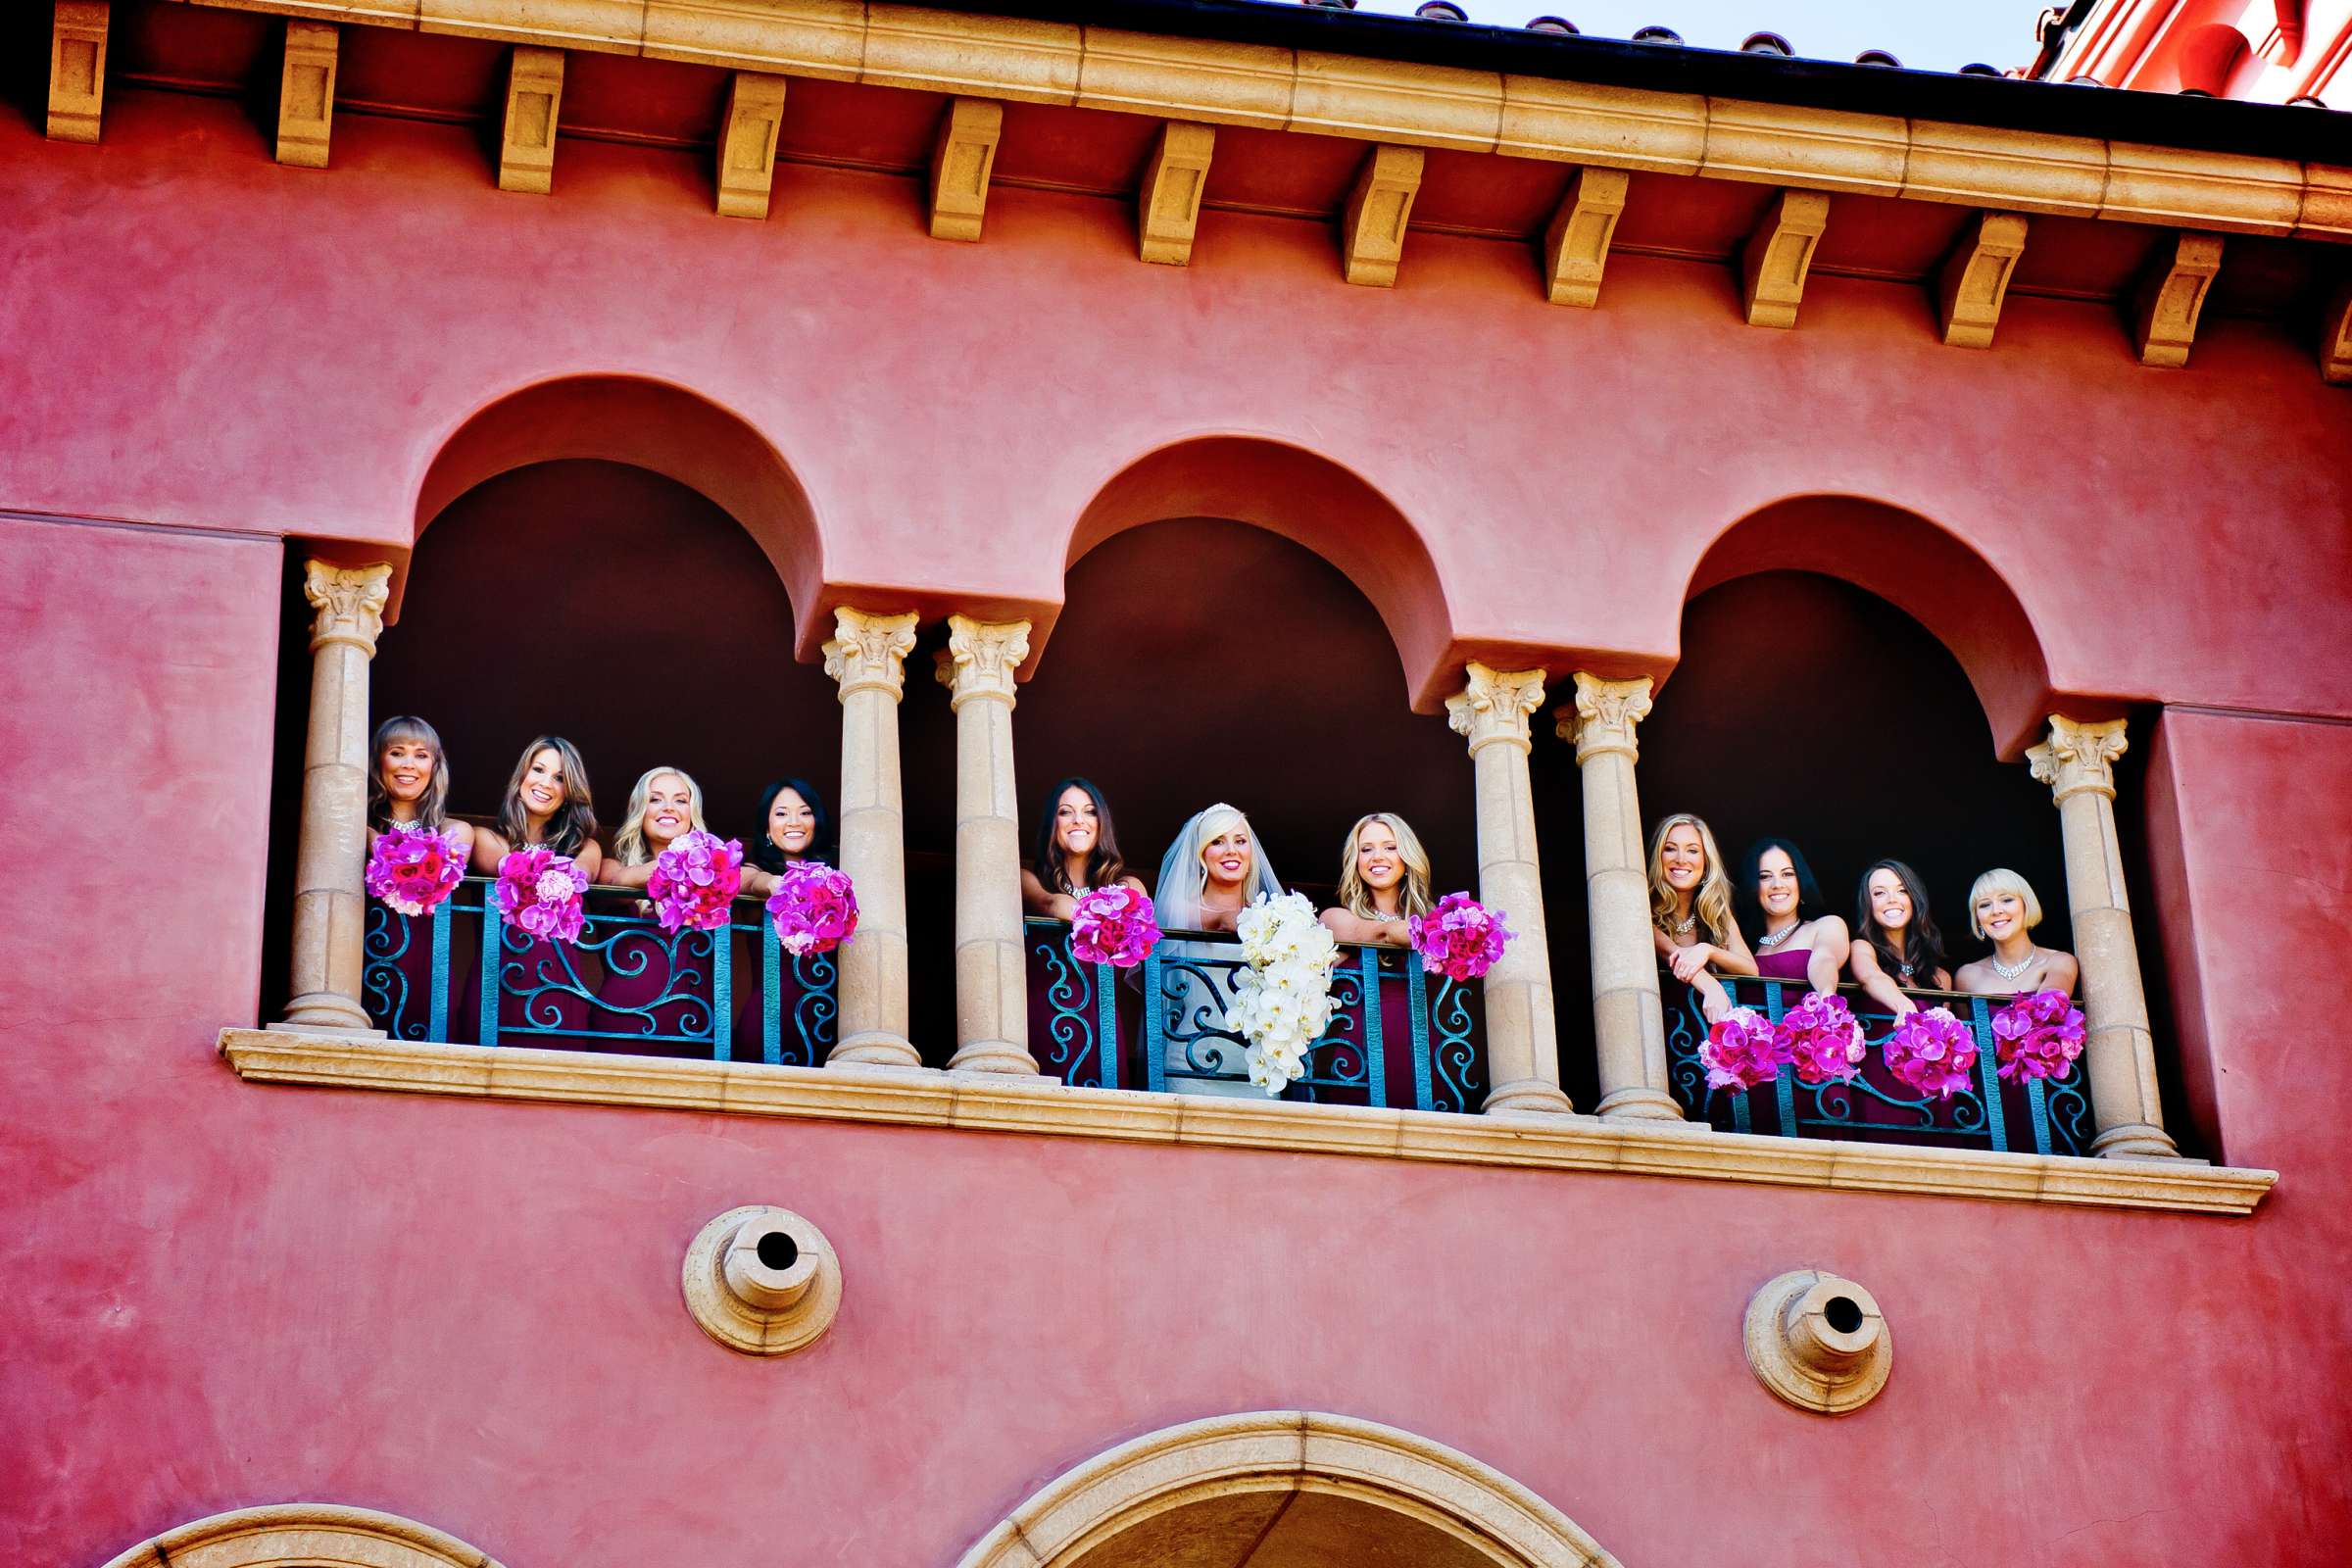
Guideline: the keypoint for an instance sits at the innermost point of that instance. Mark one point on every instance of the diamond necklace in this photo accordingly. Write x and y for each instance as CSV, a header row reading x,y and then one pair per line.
x,y
2023,964
1769,940
1688,922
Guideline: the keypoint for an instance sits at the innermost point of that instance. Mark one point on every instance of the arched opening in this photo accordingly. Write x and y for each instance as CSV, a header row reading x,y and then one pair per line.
x,y
635,615
1234,613
300,1535
1858,736
616,607
646,424
1927,573
1200,658
1285,1487
1308,500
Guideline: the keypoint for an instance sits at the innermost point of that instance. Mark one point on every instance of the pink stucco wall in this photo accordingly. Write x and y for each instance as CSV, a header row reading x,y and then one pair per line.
x,y
951,410
224,1295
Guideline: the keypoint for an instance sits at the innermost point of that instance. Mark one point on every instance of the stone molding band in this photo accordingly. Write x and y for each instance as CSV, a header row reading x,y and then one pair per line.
x,y
1044,1106
1411,105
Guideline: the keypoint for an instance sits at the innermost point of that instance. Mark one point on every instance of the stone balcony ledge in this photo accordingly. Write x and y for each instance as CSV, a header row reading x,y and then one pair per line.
x,y
1005,1104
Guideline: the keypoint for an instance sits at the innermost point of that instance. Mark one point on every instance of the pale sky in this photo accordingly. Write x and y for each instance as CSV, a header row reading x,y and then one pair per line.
x,y
1930,34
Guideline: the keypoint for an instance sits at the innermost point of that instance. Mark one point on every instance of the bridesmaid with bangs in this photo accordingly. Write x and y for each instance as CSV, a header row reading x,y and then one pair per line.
x,y
408,788
547,804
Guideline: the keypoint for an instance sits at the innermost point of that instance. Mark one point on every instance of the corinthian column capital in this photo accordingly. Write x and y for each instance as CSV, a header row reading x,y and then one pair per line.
x,y
1603,715
2078,756
350,603
981,657
1494,706
868,651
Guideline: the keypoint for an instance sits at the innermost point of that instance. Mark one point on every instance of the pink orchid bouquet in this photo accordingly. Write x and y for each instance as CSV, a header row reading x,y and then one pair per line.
x,y
1460,939
1824,1039
2037,1036
815,908
1933,1052
1743,1051
694,881
543,893
412,869
1113,925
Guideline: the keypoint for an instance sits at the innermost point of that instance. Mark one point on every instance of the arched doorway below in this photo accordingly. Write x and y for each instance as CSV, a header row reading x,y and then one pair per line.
x,y
1286,1488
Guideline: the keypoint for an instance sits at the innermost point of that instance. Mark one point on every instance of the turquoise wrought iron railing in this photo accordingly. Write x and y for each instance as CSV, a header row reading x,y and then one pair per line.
x,y
2046,1116
1394,1039
625,986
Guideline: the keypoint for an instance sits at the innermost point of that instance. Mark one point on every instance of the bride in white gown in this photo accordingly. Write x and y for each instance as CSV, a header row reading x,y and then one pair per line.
x,y
1209,876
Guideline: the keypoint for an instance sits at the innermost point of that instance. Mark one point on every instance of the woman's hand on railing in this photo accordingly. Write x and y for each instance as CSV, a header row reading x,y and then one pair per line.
x,y
1876,983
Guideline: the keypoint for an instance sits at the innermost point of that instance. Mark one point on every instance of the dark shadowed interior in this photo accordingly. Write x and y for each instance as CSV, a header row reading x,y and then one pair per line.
x,y
1195,660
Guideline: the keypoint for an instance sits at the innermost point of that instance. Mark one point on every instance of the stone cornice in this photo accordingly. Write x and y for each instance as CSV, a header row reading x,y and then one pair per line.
x,y
1409,104
997,1103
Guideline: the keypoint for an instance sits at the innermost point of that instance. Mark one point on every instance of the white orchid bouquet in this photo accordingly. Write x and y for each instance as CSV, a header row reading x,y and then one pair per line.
x,y
1281,1003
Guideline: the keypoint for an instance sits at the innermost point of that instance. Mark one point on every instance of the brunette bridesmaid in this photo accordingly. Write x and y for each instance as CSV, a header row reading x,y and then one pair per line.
x,y
1901,948
1690,920
547,804
1797,940
2004,910
795,829
1077,850
793,825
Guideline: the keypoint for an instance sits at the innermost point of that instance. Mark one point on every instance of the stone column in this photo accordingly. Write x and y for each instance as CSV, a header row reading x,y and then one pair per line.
x,y
1629,1028
867,656
2078,762
992,995
1523,1053
331,904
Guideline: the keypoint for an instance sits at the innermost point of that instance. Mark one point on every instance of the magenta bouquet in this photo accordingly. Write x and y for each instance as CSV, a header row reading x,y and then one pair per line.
x,y
694,881
1462,937
1743,1051
541,892
1113,925
1932,1051
815,908
1822,1038
2037,1036
413,870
